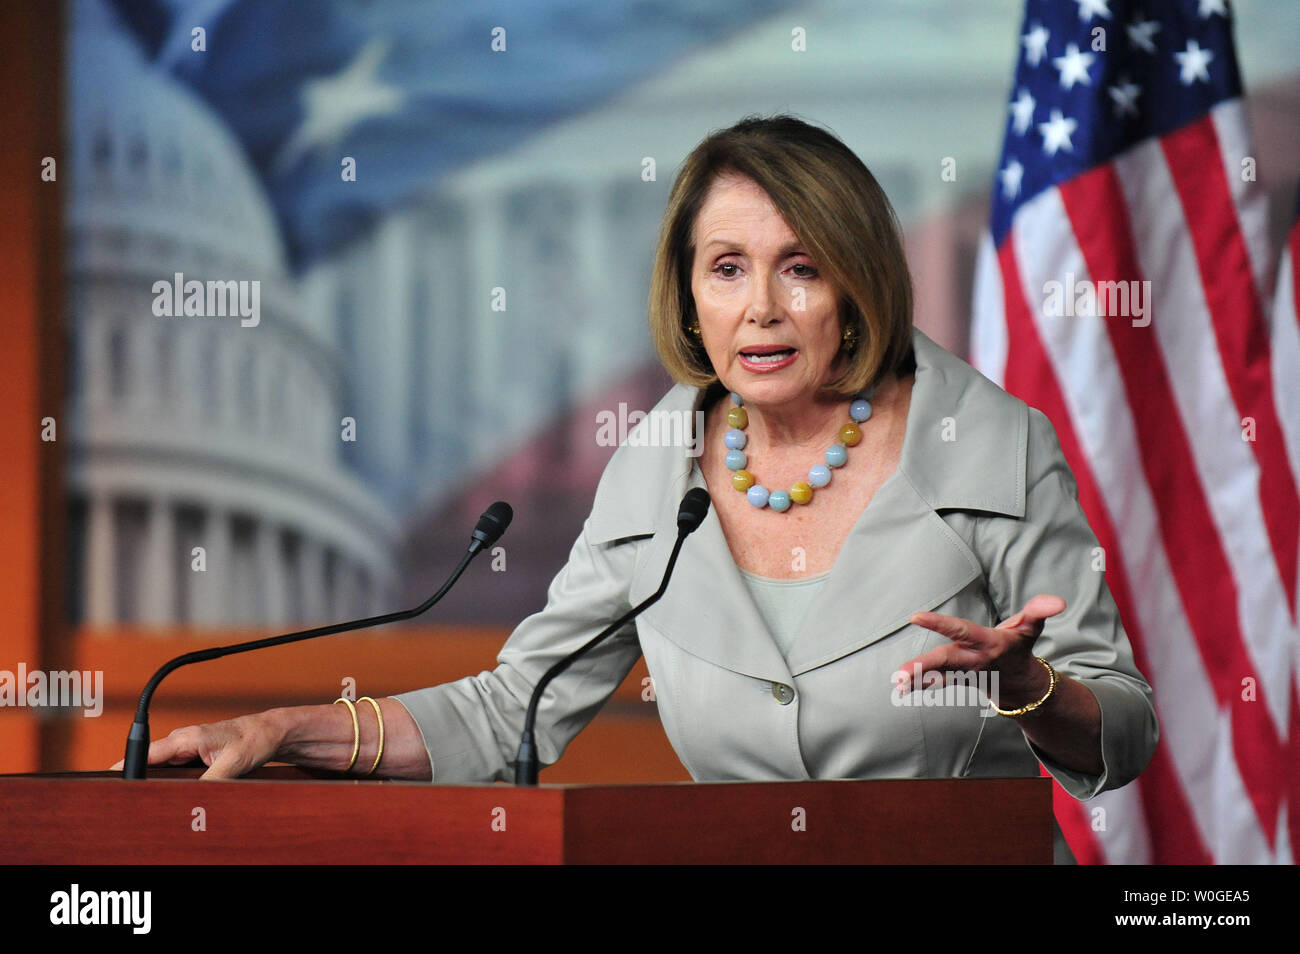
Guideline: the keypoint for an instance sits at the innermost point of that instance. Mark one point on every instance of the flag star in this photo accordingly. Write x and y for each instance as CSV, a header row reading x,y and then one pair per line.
x,y
1193,63
1093,8
1022,112
1011,177
1210,7
1140,34
1124,95
1073,66
1056,133
1035,43
333,105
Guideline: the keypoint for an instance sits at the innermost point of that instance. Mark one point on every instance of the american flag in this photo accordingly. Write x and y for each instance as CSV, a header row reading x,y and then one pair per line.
x,y
1128,159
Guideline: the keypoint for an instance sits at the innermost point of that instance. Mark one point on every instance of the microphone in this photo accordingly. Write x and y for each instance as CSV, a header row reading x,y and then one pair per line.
x,y
490,526
690,514
693,509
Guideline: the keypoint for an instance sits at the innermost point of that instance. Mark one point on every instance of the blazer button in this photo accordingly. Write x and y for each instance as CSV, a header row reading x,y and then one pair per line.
x,y
782,693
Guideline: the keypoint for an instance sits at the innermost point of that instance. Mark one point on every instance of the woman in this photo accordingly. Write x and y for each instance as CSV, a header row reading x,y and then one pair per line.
x,y
883,514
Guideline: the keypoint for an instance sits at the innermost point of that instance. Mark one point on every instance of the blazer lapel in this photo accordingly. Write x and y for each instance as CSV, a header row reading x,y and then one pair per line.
x,y
707,609
900,557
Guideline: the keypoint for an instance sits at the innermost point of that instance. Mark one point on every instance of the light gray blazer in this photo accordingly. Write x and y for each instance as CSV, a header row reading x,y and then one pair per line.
x,y
972,527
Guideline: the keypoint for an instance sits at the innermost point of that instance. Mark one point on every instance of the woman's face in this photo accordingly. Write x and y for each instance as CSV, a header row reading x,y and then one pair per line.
x,y
768,319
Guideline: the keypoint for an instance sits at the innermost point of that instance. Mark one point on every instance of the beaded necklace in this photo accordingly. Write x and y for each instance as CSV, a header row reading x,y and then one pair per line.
x,y
818,476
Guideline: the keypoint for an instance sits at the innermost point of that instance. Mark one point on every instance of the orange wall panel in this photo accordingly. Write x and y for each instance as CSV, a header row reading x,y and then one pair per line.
x,y
31,385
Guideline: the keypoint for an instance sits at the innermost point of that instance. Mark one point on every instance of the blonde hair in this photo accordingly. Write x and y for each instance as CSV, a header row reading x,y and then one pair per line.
x,y
839,212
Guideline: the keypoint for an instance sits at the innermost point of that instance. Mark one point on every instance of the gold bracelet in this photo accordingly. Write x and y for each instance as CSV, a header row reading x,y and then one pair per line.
x,y
380,716
1023,710
356,731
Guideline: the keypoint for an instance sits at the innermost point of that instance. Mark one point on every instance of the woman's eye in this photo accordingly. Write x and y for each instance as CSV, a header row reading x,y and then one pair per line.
x,y
800,269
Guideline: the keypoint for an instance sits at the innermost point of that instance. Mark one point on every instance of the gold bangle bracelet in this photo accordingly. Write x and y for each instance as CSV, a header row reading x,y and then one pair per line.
x,y
380,716
356,731
1024,710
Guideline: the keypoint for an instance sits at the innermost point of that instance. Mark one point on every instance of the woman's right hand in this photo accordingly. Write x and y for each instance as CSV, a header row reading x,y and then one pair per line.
x,y
230,749
317,737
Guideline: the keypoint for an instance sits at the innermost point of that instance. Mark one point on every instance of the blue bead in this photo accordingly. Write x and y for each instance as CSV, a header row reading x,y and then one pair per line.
x,y
736,460
779,500
737,400
836,455
735,439
757,495
819,475
860,410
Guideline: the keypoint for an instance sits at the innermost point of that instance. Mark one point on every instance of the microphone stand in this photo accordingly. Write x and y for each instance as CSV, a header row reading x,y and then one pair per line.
x,y
690,514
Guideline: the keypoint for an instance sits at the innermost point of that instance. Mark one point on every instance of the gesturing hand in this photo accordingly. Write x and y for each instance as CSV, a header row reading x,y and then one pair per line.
x,y
1006,648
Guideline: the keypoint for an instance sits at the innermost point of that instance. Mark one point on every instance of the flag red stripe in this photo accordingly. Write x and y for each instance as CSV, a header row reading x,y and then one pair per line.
x,y
1072,816
1094,203
1240,328
1174,835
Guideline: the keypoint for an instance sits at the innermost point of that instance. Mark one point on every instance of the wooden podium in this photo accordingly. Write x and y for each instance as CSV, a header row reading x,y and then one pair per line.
x,y
282,815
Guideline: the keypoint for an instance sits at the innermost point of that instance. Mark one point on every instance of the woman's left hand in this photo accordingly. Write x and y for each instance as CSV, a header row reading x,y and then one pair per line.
x,y
1006,648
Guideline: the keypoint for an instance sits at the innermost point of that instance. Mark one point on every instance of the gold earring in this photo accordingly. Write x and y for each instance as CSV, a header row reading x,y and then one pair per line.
x,y
694,328
849,337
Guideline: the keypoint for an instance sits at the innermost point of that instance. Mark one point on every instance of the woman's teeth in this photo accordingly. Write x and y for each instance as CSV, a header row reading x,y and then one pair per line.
x,y
768,358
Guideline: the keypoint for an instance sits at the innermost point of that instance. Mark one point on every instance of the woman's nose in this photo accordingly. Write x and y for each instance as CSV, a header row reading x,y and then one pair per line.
x,y
764,305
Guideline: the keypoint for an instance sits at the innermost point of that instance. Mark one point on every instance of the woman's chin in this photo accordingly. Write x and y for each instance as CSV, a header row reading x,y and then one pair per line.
x,y
771,389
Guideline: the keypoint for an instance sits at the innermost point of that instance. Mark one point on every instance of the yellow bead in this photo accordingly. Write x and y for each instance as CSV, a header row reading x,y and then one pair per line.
x,y
801,492
738,417
742,480
850,435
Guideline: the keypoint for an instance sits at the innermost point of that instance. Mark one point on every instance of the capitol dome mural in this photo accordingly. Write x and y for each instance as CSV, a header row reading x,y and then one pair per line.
x,y
206,478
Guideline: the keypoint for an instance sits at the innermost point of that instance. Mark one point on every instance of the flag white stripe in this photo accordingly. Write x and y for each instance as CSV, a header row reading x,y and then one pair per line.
x,y
1125,839
1283,837
1232,127
988,346
1238,839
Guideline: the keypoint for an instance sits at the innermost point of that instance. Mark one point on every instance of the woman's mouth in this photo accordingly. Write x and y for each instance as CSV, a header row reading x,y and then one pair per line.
x,y
766,359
